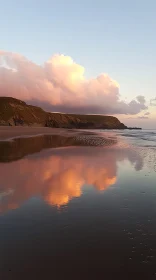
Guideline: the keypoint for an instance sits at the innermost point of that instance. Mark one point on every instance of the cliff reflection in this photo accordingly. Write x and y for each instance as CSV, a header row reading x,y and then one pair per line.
x,y
58,175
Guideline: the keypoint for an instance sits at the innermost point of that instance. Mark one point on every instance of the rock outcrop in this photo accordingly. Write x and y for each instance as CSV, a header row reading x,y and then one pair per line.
x,y
15,112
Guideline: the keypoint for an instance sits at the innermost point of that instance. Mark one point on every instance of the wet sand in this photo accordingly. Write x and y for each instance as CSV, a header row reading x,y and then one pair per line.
x,y
80,137
7,133
83,206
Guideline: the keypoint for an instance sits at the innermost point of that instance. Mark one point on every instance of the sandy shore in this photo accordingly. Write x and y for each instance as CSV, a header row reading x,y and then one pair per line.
x,y
80,137
10,132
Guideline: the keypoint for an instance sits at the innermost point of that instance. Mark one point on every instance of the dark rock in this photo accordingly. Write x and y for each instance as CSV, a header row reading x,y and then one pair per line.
x,y
16,112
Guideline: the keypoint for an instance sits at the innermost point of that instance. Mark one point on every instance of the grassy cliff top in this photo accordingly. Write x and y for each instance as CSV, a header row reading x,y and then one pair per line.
x,y
17,112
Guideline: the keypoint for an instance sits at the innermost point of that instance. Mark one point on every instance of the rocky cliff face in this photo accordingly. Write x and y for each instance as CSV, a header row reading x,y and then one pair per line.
x,y
15,112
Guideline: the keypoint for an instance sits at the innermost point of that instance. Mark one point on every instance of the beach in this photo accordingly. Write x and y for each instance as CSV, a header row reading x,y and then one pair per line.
x,y
8,132
70,200
76,137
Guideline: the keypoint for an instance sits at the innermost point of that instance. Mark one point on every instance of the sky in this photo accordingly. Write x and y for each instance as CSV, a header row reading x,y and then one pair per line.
x,y
81,56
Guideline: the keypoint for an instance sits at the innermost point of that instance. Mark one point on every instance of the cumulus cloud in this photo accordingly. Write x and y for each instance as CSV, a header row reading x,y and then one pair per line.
x,y
147,114
141,99
60,85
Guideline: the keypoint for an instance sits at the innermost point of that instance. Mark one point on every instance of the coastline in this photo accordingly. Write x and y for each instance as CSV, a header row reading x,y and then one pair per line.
x,y
12,132
17,142
77,137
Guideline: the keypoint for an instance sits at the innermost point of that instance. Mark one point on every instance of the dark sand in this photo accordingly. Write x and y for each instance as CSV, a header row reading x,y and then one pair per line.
x,y
7,132
80,137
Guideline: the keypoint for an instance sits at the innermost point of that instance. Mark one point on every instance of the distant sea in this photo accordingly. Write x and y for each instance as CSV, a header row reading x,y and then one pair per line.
x,y
80,212
142,138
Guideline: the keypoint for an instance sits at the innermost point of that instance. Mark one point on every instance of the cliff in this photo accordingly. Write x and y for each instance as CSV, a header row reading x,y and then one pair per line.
x,y
15,112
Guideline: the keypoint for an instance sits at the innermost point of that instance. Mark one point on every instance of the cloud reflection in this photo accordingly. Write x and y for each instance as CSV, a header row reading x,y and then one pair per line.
x,y
58,175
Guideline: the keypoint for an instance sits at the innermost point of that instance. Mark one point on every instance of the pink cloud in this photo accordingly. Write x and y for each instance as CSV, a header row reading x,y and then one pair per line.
x,y
60,85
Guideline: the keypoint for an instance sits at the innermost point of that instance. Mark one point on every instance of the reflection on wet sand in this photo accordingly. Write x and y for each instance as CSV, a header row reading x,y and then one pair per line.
x,y
20,147
58,175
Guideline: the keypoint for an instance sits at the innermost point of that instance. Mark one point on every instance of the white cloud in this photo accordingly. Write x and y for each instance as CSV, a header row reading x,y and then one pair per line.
x,y
60,85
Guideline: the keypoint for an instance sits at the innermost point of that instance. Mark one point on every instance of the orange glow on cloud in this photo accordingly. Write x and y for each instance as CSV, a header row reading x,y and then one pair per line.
x,y
60,85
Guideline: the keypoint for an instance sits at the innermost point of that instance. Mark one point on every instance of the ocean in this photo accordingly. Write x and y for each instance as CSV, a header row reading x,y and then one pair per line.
x,y
80,212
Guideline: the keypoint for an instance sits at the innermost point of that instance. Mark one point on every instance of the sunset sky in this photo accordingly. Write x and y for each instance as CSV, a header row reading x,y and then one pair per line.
x,y
81,56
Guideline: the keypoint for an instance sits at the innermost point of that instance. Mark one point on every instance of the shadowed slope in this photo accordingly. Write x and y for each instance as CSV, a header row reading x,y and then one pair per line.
x,y
15,112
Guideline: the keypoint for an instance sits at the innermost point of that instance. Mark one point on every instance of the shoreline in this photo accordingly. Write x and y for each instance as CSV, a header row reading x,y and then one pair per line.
x,y
8,133
18,142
